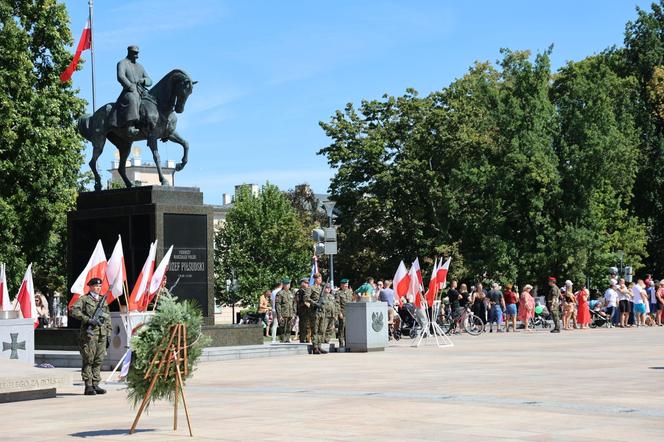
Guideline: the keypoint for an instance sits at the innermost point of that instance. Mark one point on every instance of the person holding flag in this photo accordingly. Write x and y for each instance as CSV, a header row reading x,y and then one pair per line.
x,y
95,332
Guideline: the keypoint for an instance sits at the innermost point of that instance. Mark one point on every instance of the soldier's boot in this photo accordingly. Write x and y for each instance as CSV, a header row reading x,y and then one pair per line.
x,y
89,390
98,389
315,351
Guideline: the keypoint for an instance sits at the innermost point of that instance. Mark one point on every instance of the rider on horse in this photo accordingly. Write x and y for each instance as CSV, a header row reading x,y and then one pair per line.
x,y
134,81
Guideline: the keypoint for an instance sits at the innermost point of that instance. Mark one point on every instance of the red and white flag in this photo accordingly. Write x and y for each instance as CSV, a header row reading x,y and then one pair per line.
x,y
95,268
26,297
139,294
401,282
416,266
415,289
5,304
441,275
160,273
116,273
433,284
84,44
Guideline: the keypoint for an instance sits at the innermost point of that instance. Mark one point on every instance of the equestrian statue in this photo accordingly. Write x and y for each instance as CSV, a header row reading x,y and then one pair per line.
x,y
138,114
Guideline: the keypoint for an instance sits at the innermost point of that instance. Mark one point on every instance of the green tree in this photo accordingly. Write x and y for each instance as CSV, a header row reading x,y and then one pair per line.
x,y
261,241
40,151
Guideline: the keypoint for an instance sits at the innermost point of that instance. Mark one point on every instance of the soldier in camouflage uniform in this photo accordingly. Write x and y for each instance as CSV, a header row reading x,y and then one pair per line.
x,y
342,297
554,304
94,336
285,306
304,313
325,311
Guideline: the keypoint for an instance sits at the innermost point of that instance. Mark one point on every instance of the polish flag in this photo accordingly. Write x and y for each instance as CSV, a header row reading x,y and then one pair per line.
x,y
415,289
400,282
116,273
138,297
441,275
416,266
26,297
159,274
5,304
95,268
84,44
433,284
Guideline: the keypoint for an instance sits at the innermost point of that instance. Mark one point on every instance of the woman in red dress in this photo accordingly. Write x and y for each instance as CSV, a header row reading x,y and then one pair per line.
x,y
583,315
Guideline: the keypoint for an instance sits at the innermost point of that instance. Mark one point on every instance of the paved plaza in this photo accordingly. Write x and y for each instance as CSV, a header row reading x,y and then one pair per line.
x,y
584,385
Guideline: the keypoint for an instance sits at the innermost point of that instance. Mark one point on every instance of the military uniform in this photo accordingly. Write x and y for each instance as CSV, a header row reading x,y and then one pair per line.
x,y
93,340
325,312
133,78
555,307
303,302
343,297
285,306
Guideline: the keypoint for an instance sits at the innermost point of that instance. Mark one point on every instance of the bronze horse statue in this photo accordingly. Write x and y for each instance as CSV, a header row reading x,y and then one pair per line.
x,y
157,121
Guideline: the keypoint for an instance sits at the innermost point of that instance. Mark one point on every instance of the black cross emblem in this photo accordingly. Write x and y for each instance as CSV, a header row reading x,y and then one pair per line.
x,y
14,346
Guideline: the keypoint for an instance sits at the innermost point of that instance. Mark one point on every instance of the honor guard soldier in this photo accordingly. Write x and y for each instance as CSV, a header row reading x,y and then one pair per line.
x,y
285,306
303,302
342,297
92,311
325,311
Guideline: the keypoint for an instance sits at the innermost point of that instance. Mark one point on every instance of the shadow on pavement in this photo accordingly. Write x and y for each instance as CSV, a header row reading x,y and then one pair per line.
x,y
107,432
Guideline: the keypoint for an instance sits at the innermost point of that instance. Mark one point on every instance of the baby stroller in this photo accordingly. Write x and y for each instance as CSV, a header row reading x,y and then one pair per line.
x,y
540,318
598,319
409,325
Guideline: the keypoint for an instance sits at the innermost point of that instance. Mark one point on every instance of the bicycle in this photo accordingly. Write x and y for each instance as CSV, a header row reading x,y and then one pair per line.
x,y
472,324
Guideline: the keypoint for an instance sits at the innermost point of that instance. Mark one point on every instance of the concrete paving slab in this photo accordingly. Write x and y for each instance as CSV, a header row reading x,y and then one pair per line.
x,y
604,384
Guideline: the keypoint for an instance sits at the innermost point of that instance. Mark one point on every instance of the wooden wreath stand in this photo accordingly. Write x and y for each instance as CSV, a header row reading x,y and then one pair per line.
x,y
166,363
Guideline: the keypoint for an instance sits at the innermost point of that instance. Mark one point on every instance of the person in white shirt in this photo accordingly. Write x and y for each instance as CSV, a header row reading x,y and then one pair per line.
x,y
275,323
639,297
611,299
624,298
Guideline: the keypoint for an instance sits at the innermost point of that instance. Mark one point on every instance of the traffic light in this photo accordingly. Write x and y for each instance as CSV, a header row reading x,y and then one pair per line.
x,y
326,240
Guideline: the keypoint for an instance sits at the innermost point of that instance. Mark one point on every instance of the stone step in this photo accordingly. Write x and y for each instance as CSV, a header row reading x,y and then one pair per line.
x,y
20,381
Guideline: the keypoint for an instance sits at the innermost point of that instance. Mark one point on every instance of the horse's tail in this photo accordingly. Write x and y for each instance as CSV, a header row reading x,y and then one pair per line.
x,y
83,126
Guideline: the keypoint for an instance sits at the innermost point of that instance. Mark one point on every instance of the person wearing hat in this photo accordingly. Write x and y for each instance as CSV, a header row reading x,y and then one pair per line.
x,y
303,304
526,306
554,304
134,81
342,297
285,305
94,336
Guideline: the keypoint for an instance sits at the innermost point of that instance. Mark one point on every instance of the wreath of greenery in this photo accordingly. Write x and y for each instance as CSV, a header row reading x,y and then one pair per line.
x,y
169,312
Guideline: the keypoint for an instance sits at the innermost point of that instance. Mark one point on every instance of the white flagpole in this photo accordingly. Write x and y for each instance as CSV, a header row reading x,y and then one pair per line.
x,y
92,55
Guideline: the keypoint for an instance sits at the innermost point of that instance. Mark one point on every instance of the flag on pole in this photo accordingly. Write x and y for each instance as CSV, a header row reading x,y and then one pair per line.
x,y
126,363
116,273
430,295
84,44
142,285
415,289
26,297
5,304
314,269
416,266
401,282
158,276
441,274
95,268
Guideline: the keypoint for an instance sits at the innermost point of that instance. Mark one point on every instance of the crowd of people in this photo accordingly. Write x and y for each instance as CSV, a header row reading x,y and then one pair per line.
x,y
502,309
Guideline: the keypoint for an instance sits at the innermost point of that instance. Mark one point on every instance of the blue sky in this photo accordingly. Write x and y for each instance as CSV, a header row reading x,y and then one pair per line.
x,y
269,71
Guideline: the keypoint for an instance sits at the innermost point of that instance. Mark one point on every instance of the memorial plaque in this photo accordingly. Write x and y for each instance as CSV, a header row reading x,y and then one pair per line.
x,y
188,235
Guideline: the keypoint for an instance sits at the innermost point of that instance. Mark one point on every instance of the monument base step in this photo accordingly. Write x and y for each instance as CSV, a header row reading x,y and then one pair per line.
x,y
21,381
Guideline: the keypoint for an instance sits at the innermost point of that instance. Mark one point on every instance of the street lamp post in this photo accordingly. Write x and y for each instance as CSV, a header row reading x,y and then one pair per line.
x,y
329,207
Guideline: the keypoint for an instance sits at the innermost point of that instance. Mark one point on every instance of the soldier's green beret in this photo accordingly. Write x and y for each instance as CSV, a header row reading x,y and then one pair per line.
x,y
344,281
285,281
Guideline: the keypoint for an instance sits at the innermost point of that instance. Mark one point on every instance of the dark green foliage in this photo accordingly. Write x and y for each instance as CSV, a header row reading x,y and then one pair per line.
x,y
40,151
262,240
146,343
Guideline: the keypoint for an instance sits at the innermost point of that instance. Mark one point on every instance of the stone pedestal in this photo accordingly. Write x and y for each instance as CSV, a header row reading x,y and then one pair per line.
x,y
366,326
172,215
21,382
17,337
123,324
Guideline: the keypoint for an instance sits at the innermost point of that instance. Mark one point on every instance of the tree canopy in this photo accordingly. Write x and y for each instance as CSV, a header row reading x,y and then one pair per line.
x,y
40,151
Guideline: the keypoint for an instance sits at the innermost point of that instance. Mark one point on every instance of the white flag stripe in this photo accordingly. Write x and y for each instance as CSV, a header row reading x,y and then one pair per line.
x,y
159,273
114,272
98,256
143,283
